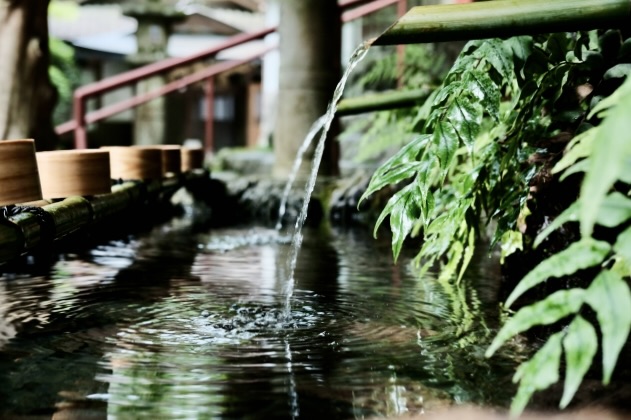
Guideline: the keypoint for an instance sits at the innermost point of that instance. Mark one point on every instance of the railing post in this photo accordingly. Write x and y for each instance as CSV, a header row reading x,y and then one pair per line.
x,y
80,131
209,133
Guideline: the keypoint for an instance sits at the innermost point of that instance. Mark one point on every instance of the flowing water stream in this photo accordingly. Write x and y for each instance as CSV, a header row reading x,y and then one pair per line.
x,y
357,56
184,322
313,131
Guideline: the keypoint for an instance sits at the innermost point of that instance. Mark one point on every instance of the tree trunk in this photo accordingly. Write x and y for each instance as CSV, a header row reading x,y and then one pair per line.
x,y
27,97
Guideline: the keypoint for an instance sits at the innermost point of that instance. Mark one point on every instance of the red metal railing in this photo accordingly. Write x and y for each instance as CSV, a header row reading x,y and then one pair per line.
x,y
81,119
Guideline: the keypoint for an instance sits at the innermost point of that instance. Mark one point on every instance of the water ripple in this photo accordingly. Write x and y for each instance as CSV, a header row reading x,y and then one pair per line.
x,y
185,326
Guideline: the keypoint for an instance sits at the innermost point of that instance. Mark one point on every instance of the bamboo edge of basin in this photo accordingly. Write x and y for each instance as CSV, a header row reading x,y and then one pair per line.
x,y
503,18
25,231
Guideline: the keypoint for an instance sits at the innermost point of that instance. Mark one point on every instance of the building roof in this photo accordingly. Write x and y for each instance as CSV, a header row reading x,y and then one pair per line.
x,y
239,20
90,21
251,5
102,28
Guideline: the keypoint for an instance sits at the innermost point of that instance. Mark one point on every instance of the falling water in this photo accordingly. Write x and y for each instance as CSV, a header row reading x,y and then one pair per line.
x,y
296,242
315,128
292,393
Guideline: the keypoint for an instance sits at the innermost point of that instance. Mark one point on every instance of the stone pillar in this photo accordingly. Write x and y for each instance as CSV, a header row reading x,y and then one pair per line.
x,y
149,118
155,19
310,34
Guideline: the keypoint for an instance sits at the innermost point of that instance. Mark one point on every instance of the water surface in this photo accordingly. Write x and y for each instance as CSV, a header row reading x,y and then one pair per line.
x,y
182,323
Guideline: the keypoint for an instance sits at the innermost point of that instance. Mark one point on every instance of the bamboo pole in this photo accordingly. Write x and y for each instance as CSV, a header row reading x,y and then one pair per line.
x,y
105,205
25,231
504,18
69,215
381,101
30,229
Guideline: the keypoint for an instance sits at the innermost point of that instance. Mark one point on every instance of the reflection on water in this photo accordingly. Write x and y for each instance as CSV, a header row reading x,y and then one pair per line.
x,y
177,324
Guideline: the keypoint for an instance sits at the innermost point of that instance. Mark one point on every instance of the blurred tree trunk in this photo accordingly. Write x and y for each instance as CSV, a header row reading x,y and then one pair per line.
x,y
27,97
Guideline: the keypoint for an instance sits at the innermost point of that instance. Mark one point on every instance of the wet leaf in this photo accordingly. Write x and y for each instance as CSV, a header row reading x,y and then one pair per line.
x,y
623,244
609,296
608,160
521,47
466,119
537,63
393,176
399,167
580,148
615,210
464,63
446,142
468,254
578,167
402,220
579,255
496,53
445,92
557,46
609,43
618,71
624,54
580,345
455,255
570,214
511,242
404,213
581,42
544,312
480,85
538,373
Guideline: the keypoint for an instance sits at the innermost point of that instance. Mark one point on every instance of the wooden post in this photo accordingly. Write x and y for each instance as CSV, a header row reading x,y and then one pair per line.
x,y
209,133
80,131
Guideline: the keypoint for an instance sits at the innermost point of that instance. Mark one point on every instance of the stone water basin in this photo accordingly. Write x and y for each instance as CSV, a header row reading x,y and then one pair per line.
x,y
185,322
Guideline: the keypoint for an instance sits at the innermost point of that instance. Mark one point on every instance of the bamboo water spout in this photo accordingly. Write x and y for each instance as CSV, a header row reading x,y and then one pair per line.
x,y
504,18
382,101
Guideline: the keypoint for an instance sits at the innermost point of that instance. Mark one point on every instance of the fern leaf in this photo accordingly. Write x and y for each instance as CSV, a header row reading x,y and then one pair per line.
x,y
537,373
580,255
611,152
580,345
545,312
610,297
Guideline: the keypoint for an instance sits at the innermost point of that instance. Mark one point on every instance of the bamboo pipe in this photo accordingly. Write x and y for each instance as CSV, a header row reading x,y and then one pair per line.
x,y
504,18
381,101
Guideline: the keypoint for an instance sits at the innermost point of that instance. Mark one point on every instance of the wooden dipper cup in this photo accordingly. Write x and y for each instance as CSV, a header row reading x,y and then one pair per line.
x,y
192,158
67,173
19,177
171,157
135,163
